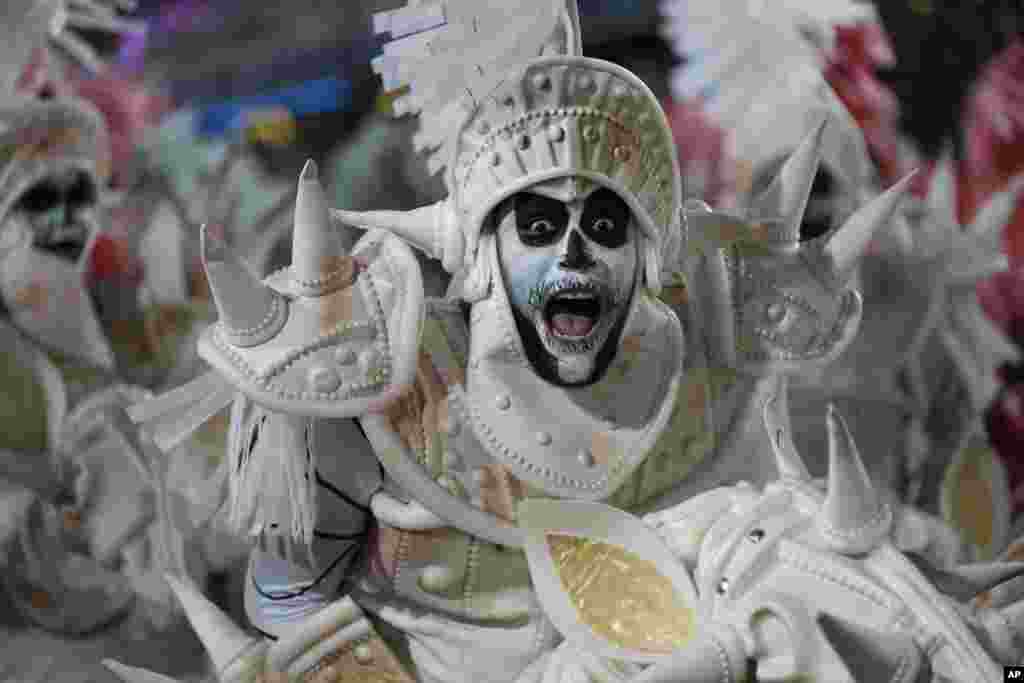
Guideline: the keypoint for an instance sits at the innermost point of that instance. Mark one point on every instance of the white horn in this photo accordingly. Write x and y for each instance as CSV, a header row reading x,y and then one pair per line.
x,y
848,243
873,656
425,228
250,312
319,263
786,197
224,641
853,516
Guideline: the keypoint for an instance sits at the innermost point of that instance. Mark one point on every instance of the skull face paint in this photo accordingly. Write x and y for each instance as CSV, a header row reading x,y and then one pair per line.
x,y
569,259
58,211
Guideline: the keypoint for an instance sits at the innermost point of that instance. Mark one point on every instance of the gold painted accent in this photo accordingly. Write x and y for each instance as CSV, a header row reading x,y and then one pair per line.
x,y
500,491
32,296
72,519
621,596
41,599
337,308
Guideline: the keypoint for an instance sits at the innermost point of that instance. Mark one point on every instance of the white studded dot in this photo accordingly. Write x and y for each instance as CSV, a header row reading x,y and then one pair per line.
x,y
543,438
345,356
621,153
586,458
503,402
774,312
369,358
363,654
323,380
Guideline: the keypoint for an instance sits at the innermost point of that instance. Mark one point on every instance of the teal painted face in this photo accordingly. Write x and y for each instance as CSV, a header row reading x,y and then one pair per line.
x,y
569,258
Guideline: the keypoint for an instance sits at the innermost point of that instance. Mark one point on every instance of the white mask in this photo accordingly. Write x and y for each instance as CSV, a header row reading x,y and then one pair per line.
x,y
47,296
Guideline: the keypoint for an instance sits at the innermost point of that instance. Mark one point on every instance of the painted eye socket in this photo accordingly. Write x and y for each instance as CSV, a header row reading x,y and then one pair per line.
x,y
539,228
606,219
539,220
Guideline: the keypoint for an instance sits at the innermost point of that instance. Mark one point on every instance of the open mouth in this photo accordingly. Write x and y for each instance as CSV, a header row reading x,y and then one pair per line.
x,y
572,314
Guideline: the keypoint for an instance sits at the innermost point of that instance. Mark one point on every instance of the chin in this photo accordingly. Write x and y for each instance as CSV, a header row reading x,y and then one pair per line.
x,y
565,359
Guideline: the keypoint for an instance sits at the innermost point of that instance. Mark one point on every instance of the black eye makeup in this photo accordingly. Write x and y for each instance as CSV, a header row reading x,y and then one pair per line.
x,y
606,219
539,220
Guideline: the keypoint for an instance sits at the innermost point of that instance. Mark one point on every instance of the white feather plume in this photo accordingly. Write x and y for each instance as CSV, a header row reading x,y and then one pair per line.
x,y
452,53
738,49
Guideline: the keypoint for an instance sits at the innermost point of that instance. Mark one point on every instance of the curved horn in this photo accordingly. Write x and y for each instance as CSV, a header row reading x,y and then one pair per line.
x,y
872,656
786,197
848,243
419,227
853,518
224,641
250,312
319,263
787,459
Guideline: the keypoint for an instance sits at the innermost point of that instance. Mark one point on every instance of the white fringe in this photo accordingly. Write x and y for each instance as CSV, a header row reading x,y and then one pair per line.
x,y
275,484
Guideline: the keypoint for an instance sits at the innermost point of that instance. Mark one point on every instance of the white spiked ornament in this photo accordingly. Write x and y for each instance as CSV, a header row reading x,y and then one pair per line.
x,y
250,312
281,341
786,197
854,518
874,656
319,265
228,646
847,245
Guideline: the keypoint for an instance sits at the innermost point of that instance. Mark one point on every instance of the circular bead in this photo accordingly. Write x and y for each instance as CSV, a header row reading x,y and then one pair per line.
x,y
621,153
774,312
591,134
323,380
585,82
543,438
363,654
345,356
541,81
556,133
723,586
586,458
503,402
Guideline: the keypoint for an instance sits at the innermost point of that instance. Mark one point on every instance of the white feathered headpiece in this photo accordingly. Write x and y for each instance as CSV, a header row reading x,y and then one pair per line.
x,y
505,101
758,66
